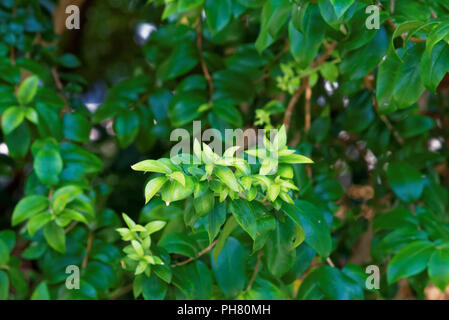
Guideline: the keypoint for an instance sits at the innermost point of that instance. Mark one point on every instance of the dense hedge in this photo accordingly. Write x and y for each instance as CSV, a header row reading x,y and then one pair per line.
x,y
355,177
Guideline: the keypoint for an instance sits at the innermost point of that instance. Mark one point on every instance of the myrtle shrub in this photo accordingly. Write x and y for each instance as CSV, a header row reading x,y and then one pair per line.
x,y
345,198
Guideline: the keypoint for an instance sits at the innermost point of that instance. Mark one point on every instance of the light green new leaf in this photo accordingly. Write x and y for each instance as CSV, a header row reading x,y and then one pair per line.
x,y
11,119
28,207
27,90
152,166
227,177
154,226
38,221
153,186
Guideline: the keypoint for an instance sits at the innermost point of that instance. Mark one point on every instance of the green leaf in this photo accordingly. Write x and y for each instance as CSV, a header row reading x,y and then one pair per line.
x,y
274,15
31,115
48,166
215,219
27,90
174,191
153,186
438,268
41,292
408,87
309,217
405,181
55,236
70,215
4,285
227,177
11,119
28,207
76,127
183,58
63,196
9,238
303,259
38,221
265,290
4,253
218,14
18,281
269,166
154,288
18,141
356,64
155,226
69,61
414,125
152,166
229,226
340,6
229,268
179,243
304,45
435,66
204,203
184,108
436,35
184,5
126,126
278,249
245,216
410,260
329,283
294,158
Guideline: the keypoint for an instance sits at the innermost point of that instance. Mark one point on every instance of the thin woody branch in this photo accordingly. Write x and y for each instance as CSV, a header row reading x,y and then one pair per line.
x,y
199,45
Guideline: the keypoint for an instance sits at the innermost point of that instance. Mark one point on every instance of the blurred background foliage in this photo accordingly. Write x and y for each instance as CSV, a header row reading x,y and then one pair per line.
x,y
110,94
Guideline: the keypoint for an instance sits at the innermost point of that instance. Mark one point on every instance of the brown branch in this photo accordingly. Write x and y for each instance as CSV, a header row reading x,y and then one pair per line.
x,y
60,86
307,106
388,123
88,247
329,49
199,45
204,251
318,62
256,271
13,56
121,292
69,228
291,105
